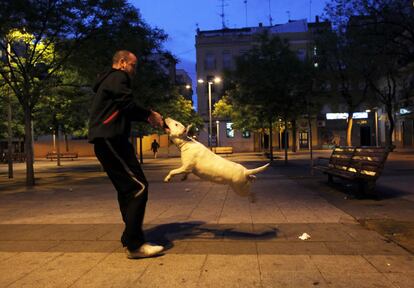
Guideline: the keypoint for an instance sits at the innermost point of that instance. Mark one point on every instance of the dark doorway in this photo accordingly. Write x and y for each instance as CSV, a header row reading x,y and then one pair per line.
x,y
285,136
266,141
303,140
365,136
407,133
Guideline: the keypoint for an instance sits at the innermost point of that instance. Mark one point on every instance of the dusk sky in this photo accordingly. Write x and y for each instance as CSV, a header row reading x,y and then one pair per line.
x,y
179,19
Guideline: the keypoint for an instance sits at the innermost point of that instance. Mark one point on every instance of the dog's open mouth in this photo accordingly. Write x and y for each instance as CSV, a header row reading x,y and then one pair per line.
x,y
165,126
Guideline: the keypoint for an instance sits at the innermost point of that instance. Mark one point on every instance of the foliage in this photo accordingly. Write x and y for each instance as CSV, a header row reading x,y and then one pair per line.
x,y
378,37
64,106
40,37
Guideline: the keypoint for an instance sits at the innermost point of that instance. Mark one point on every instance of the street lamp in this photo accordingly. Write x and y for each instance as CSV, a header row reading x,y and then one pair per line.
x,y
375,123
218,132
210,82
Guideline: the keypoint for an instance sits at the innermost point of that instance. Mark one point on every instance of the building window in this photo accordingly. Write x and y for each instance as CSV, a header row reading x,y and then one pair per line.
x,y
301,54
229,130
246,134
226,60
210,62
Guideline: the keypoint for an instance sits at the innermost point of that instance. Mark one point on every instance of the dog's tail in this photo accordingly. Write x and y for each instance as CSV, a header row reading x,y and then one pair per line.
x,y
256,170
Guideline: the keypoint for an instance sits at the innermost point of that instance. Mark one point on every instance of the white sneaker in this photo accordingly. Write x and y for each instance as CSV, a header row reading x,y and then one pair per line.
x,y
146,250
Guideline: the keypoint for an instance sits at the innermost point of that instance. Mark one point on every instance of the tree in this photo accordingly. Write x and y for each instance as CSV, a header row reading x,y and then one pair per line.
x,y
343,62
387,31
393,21
382,35
63,108
39,37
260,82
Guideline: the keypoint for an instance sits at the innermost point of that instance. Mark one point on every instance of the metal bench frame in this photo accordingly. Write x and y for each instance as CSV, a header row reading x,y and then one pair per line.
x,y
63,155
223,150
362,165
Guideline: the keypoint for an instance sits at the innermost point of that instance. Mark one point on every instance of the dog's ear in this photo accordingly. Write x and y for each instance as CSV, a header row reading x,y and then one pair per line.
x,y
188,128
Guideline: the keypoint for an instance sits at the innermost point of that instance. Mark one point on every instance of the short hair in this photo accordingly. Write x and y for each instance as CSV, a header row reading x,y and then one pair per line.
x,y
121,54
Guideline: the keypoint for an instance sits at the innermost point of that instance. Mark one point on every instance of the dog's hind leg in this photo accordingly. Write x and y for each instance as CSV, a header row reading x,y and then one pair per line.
x,y
184,176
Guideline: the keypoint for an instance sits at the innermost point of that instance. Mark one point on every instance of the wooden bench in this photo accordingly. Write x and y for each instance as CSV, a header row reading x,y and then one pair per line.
x,y
223,150
362,165
16,157
63,155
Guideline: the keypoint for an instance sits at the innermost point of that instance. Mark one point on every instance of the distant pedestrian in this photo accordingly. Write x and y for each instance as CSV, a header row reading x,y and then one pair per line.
x,y
154,148
111,114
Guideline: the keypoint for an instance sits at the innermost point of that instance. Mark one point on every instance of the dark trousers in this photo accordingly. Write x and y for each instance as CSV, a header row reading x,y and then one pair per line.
x,y
118,159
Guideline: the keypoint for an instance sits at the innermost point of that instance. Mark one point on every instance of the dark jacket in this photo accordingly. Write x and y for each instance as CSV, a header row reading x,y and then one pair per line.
x,y
113,107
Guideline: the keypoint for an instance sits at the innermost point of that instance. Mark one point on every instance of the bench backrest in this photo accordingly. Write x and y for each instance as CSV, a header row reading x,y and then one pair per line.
x,y
369,161
223,149
341,157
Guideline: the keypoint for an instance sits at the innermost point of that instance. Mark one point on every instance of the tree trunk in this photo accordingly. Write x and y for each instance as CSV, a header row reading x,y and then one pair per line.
x,y
30,179
271,140
349,129
58,145
392,127
66,142
286,141
310,143
294,136
141,159
10,138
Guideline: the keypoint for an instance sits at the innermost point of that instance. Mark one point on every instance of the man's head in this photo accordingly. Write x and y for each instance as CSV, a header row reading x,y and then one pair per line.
x,y
126,61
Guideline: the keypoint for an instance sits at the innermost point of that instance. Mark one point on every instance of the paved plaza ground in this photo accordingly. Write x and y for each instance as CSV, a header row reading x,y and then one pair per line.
x,y
65,231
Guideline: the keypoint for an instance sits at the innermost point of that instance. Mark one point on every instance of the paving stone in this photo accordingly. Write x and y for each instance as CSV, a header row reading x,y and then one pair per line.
x,y
292,279
282,263
86,246
22,264
113,271
355,280
292,248
392,263
230,271
62,271
213,237
172,271
344,264
401,280
6,255
222,248
27,246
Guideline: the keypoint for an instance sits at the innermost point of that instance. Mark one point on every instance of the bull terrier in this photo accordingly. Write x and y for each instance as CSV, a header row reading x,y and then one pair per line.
x,y
201,161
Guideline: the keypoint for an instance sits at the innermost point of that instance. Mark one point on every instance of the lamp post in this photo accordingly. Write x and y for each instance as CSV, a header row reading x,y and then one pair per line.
x,y
210,83
376,127
218,132
375,124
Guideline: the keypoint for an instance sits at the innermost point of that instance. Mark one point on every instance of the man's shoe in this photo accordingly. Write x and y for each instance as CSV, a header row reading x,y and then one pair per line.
x,y
146,250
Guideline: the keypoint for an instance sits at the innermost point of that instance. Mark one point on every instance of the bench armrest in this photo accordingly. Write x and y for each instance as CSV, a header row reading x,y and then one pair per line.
x,y
321,161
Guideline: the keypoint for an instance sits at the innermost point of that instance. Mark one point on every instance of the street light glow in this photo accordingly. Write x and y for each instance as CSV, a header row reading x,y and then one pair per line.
x,y
210,83
187,86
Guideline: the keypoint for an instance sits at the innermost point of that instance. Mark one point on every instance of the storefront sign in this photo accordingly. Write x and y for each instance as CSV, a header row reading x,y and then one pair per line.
x,y
339,116
404,111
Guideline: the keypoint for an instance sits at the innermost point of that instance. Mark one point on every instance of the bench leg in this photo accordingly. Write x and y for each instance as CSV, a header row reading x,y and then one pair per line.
x,y
366,188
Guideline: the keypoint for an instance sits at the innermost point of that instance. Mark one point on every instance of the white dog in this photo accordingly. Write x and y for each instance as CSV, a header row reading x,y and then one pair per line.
x,y
198,159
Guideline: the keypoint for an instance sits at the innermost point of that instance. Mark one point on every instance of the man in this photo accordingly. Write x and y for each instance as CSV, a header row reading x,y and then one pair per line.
x,y
154,148
111,114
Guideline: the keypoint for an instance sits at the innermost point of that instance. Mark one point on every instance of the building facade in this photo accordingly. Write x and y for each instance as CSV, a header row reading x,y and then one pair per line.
x,y
216,51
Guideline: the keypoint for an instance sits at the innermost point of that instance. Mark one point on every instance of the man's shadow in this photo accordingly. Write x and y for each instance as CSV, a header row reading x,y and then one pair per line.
x,y
166,234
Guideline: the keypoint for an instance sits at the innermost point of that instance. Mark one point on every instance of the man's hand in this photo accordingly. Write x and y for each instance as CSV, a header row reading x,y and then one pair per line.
x,y
155,119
